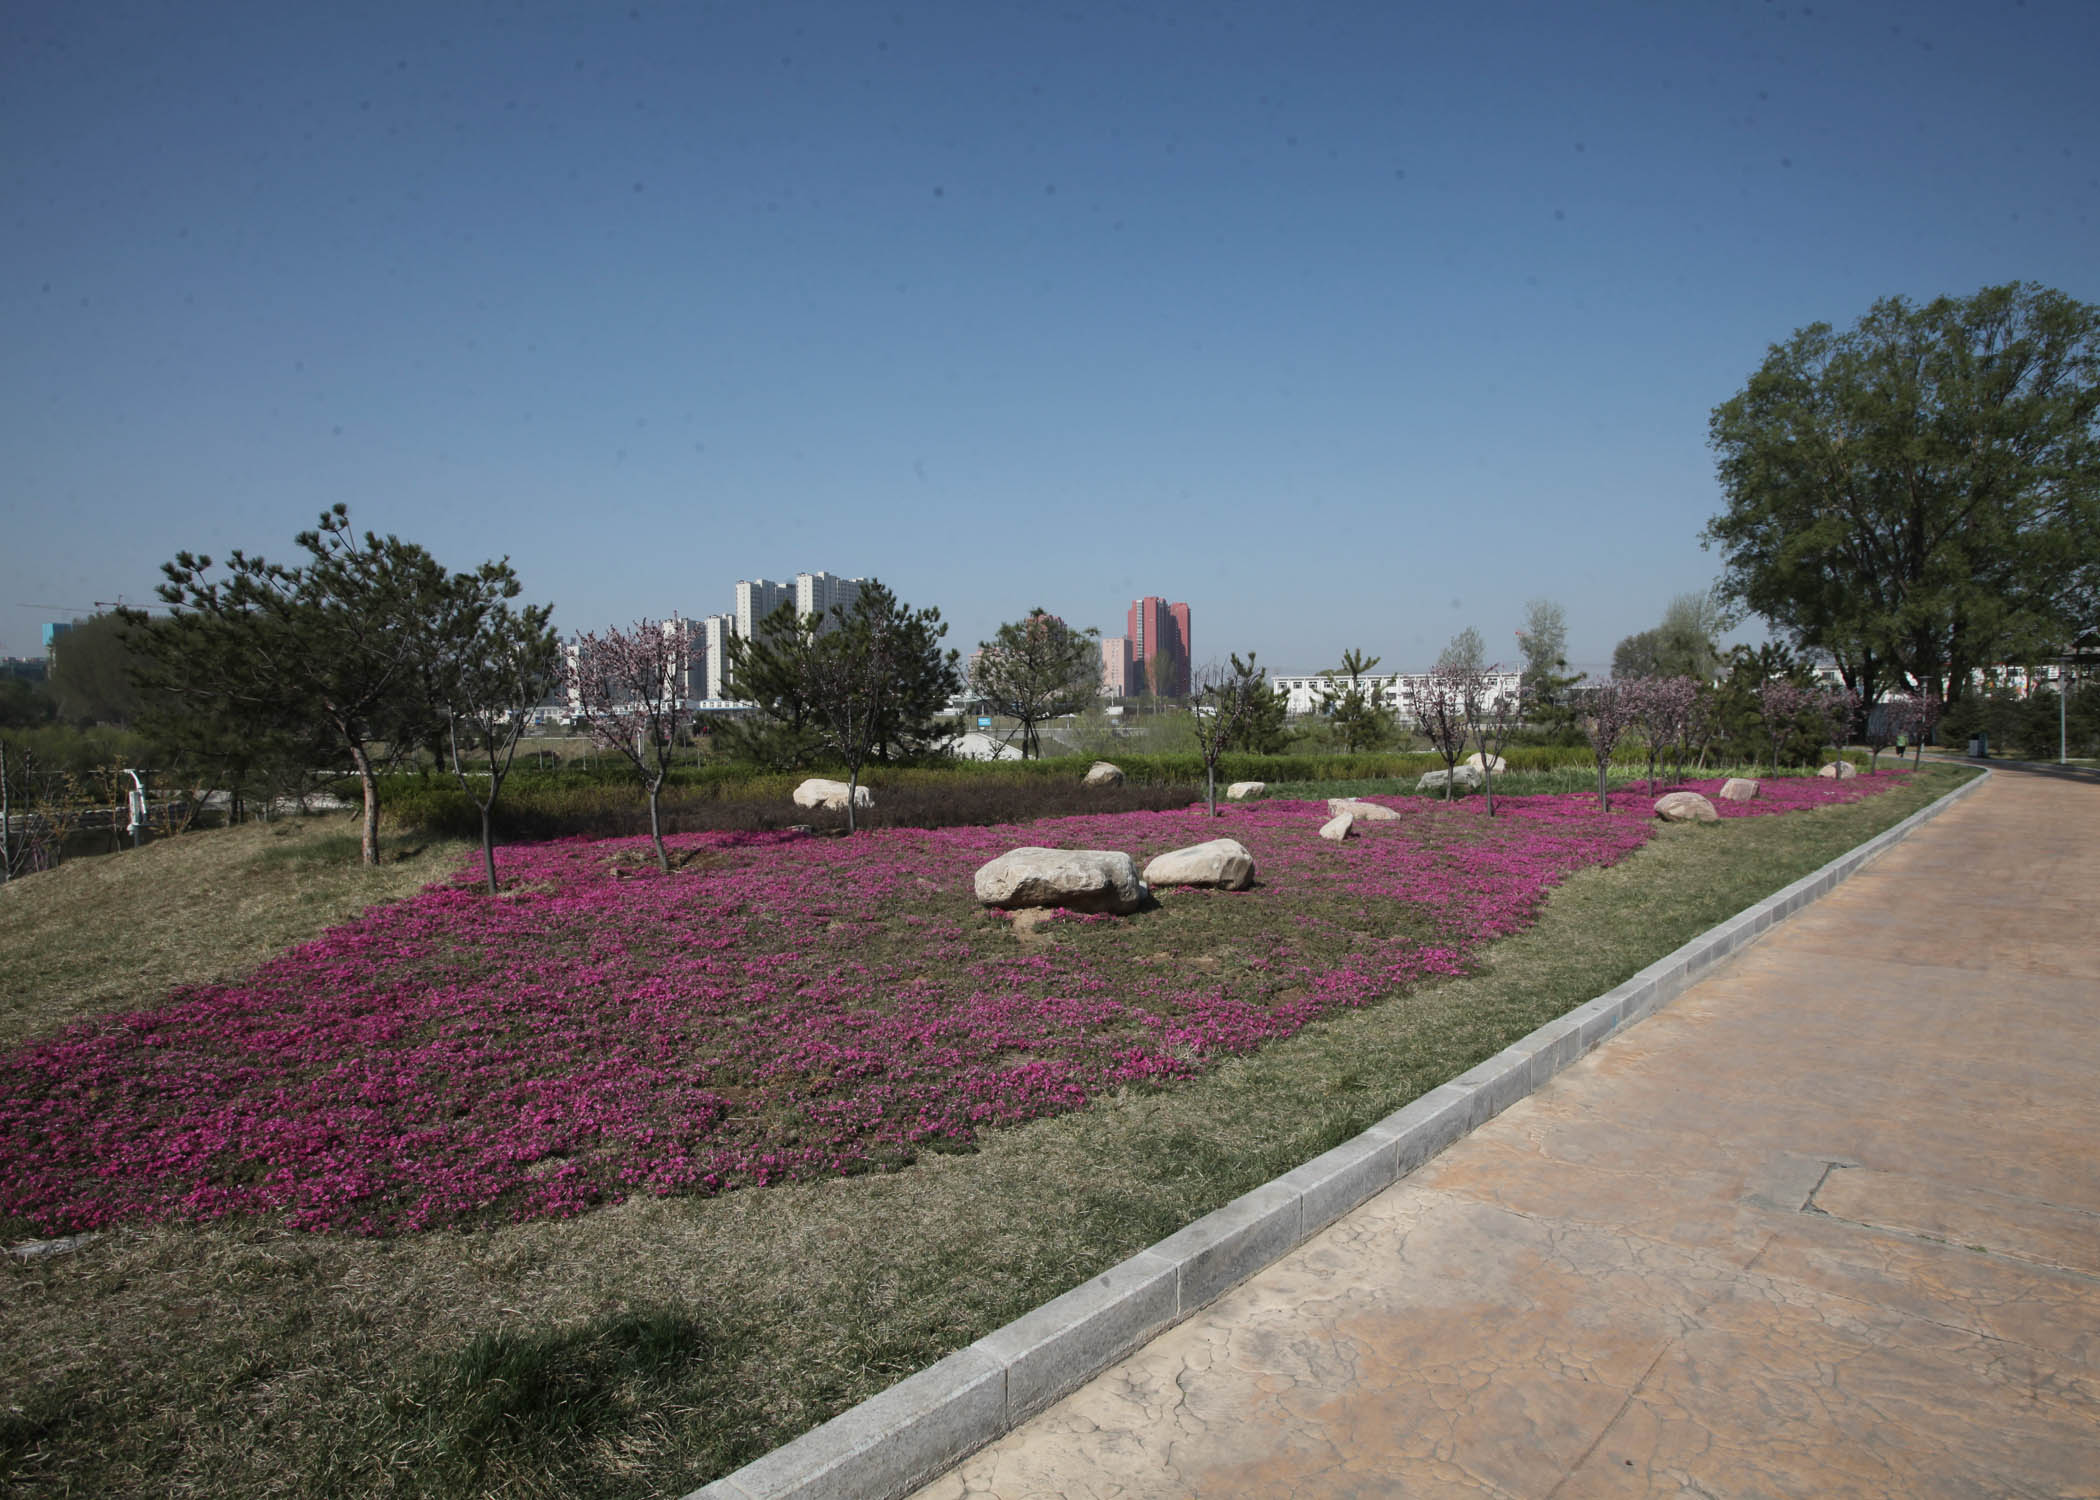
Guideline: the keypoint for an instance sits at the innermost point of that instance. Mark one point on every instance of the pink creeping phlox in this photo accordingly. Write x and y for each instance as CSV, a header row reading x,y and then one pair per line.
x,y
789,1008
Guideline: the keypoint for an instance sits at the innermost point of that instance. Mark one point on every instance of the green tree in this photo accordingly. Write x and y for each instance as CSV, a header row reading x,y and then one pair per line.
x,y
330,652
1544,642
1685,644
877,682
771,670
1919,496
1037,668
1226,698
1357,713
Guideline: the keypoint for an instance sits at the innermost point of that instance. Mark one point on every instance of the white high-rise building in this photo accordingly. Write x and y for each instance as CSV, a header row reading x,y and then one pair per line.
x,y
755,599
820,593
715,631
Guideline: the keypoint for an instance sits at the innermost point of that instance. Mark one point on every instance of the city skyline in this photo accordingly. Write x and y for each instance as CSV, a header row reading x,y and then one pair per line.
x,y
1418,313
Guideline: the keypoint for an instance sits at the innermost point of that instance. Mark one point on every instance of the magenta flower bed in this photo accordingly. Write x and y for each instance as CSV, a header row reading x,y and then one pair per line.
x,y
784,1007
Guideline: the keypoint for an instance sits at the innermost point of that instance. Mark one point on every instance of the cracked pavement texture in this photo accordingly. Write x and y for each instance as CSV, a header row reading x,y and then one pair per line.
x,y
1826,1226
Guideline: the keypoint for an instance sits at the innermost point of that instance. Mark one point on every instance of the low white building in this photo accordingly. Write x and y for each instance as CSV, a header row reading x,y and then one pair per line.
x,y
1306,692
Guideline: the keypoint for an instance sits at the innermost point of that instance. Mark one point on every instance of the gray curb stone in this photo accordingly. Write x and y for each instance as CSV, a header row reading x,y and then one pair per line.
x,y
896,1441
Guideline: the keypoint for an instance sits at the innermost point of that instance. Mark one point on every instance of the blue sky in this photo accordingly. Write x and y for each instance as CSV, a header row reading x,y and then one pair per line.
x,y
1350,324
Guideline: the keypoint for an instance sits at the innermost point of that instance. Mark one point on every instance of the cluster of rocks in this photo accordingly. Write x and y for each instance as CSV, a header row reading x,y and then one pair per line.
x,y
1106,880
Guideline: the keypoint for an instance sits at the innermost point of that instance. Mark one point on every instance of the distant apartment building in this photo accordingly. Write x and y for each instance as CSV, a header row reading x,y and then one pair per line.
x,y
1158,633
820,593
715,632
1116,671
755,599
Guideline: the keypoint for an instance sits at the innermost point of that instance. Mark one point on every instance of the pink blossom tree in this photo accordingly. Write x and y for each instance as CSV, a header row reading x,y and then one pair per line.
x,y
1911,719
1494,717
1781,703
1438,703
1607,711
625,688
1662,709
1836,708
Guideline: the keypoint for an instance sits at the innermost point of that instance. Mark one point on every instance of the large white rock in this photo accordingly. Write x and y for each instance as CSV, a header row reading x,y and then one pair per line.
x,y
1101,773
1340,826
1368,812
1685,807
1738,789
1240,791
1494,763
1839,770
1076,879
1433,781
817,792
1224,863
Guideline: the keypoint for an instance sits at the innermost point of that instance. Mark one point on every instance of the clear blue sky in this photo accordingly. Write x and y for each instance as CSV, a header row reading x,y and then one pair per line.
x,y
1350,324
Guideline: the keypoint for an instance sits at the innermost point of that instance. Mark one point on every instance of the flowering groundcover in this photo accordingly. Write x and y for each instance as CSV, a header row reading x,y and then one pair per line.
x,y
781,1007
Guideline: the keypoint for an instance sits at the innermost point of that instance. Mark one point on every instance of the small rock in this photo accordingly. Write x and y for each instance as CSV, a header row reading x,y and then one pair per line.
x,y
1240,791
1102,773
818,792
1340,826
1075,879
1738,789
1369,812
1685,807
1224,863
1839,770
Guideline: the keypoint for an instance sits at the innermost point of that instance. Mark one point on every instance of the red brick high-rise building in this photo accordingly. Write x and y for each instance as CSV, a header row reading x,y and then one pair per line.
x,y
1159,638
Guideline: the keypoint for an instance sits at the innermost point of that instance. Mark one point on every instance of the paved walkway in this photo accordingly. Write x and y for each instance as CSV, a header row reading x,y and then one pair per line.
x,y
1829,1225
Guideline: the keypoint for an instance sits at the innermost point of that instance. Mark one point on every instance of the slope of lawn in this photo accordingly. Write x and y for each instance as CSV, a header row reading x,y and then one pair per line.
x,y
580,1067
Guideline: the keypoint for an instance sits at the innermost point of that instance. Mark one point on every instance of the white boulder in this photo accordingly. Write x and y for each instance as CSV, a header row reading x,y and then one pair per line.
x,y
1738,789
1224,863
1839,770
1076,879
1240,791
1685,807
1101,773
1369,812
1434,781
817,792
1494,764
1340,826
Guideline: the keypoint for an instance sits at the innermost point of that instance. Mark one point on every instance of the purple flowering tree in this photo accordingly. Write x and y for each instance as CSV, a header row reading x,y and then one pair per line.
x,y
1836,708
1911,719
1494,717
1607,711
1662,709
625,688
1781,704
1438,704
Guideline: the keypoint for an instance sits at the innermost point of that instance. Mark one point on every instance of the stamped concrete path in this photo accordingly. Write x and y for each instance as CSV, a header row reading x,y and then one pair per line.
x,y
1828,1225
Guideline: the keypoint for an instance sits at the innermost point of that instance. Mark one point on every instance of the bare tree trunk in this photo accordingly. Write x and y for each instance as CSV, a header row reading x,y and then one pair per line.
x,y
852,798
368,779
7,854
488,853
656,826
1603,790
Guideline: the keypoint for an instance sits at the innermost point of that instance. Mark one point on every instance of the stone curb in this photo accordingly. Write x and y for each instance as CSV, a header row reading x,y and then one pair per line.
x,y
911,1433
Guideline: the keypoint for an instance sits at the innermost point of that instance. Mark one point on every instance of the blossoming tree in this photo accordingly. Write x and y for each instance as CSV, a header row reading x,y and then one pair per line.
x,y
625,687
1607,710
